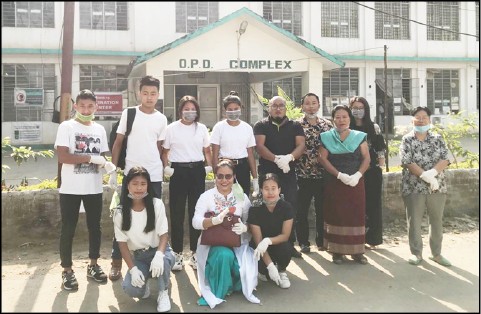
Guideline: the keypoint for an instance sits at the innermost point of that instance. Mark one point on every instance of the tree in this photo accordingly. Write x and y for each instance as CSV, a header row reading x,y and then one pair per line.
x,y
292,112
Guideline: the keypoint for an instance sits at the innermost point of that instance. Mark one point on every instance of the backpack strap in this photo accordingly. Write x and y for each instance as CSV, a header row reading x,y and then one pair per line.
x,y
130,120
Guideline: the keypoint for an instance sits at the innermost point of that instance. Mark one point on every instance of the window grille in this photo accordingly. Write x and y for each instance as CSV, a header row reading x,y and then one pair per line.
x,y
291,86
339,19
190,16
104,15
339,83
445,16
286,15
103,78
389,26
28,14
442,90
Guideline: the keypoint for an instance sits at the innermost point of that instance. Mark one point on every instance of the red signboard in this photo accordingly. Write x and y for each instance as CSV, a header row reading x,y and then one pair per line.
x,y
110,104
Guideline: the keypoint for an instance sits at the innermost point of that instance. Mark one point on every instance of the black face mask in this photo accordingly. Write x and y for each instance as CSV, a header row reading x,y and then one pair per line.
x,y
278,120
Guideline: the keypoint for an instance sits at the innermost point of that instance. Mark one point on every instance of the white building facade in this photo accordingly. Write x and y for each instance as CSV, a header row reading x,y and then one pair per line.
x,y
207,49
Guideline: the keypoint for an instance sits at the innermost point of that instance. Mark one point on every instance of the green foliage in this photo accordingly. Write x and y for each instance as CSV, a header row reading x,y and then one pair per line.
x,y
465,126
22,153
292,112
48,184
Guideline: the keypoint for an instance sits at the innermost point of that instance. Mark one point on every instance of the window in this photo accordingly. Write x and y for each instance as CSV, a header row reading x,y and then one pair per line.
x,y
291,86
103,78
104,15
28,14
26,76
190,16
338,86
444,16
399,89
286,15
339,19
442,90
389,25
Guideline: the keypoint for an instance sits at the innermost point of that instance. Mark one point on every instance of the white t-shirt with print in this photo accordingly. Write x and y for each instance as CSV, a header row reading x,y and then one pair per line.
x,y
142,149
233,140
86,178
186,142
135,237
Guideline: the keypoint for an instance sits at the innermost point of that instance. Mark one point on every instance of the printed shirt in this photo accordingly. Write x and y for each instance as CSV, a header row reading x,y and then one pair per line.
x,y
426,154
307,166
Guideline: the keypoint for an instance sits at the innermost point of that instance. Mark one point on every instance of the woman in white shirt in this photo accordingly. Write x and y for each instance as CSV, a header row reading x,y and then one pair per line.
x,y
234,139
223,270
141,229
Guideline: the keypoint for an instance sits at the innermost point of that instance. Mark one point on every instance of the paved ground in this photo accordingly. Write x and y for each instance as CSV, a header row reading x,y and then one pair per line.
x,y
31,283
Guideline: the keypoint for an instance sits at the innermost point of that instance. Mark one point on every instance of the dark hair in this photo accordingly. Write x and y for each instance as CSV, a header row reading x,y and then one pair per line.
x,y
307,95
225,163
186,99
149,81
148,200
233,97
341,107
269,176
417,109
366,121
86,94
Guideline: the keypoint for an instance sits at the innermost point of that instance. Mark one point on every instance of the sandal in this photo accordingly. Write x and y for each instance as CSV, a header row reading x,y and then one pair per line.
x,y
360,258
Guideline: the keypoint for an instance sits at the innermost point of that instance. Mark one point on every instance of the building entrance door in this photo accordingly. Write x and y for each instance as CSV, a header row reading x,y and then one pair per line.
x,y
208,100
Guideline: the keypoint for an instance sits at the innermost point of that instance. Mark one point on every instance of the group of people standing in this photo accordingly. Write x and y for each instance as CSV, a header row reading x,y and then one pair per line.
x,y
337,163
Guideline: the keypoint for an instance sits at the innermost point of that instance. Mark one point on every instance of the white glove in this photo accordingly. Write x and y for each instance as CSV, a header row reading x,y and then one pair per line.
x,y
109,167
274,273
284,161
138,279
157,264
434,184
113,181
262,248
168,171
220,218
255,185
429,175
345,178
354,179
239,228
97,159
208,169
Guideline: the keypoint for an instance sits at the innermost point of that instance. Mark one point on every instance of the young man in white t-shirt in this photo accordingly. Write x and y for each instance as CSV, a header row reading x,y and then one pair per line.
x,y
144,148
81,181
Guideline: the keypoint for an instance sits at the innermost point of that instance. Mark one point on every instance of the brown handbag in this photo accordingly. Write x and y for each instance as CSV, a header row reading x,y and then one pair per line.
x,y
222,234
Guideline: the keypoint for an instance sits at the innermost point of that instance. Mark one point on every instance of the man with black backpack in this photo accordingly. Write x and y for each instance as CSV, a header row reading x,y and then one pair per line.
x,y
144,148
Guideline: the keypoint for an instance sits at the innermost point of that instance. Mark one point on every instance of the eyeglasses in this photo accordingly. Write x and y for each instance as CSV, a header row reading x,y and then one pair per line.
x,y
221,176
280,106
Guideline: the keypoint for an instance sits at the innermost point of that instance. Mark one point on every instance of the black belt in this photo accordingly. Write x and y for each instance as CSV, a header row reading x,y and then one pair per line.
x,y
143,250
237,161
188,164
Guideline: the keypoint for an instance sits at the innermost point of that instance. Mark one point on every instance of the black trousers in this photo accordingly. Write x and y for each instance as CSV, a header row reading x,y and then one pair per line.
x,y
309,189
186,186
280,255
69,210
373,185
243,176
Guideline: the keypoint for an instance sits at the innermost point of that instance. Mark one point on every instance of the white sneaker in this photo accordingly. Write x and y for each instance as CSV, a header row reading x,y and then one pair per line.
x,y
193,261
163,301
179,261
147,291
262,277
284,283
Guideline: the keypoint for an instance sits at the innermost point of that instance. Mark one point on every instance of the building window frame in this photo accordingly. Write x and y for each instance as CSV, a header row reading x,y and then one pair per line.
x,y
444,16
286,15
103,77
394,22
339,19
442,90
338,86
104,15
190,16
28,14
292,86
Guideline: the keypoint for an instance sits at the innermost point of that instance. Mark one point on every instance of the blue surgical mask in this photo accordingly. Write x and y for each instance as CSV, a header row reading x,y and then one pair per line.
x,y
422,128
189,115
358,113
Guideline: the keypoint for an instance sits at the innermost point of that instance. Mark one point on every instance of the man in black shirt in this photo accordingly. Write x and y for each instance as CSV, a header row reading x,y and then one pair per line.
x,y
279,142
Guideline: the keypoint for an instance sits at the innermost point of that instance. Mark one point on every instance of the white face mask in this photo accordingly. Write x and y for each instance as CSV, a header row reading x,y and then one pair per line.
x,y
189,115
233,115
358,113
134,197
310,115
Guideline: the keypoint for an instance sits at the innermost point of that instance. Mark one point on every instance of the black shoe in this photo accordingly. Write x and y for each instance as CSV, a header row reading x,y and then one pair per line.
x,y
96,273
305,248
69,282
295,253
337,258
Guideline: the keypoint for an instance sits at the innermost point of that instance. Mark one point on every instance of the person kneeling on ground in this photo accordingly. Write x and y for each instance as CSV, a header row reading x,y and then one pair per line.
x,y
271,224
141,230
